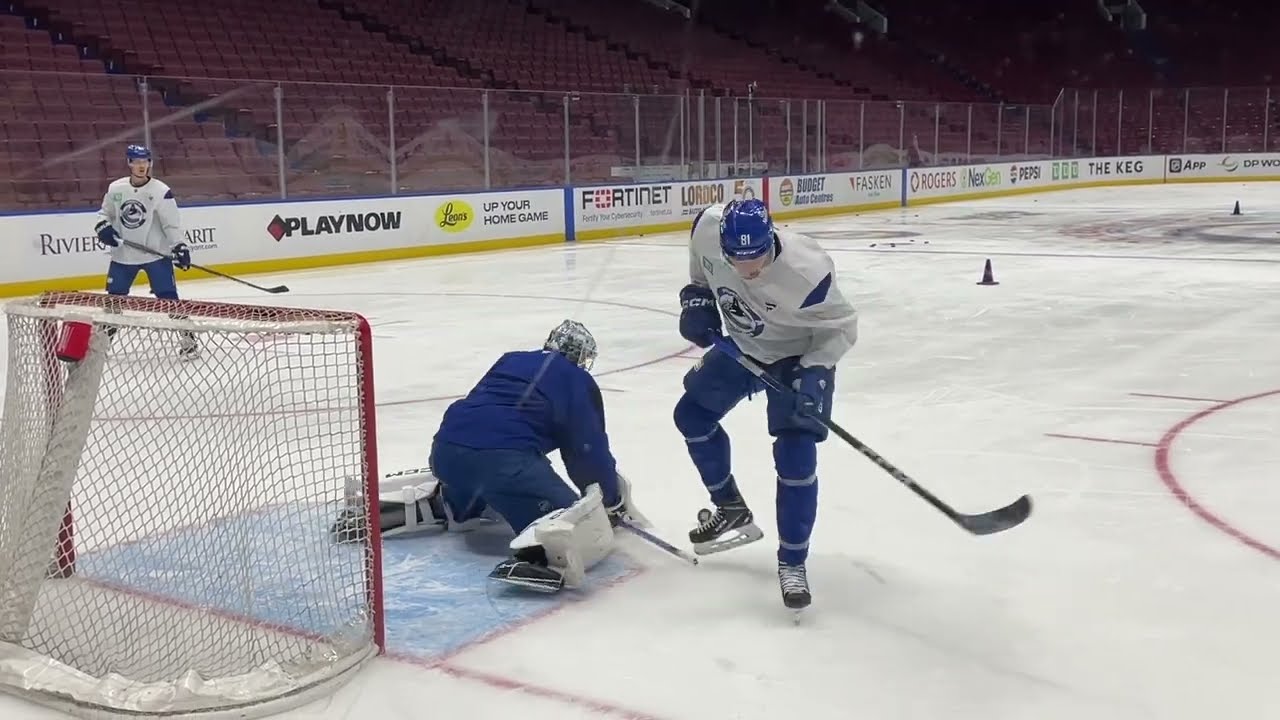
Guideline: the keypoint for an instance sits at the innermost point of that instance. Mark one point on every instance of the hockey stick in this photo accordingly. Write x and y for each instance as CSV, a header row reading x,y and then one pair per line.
x,y
986,523
273,290
658,542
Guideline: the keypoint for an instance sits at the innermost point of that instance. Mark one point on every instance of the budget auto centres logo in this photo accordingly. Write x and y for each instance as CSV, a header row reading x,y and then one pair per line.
x,y
282,227
786,191
933,179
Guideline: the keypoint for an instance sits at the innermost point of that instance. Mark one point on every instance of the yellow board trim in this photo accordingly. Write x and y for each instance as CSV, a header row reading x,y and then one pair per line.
x,y
1248,179
97,282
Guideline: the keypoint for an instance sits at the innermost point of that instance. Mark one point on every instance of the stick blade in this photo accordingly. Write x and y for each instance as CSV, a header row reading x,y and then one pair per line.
x,y
989,523
278,289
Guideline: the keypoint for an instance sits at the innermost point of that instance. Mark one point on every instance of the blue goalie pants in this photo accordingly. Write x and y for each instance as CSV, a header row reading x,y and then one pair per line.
x,y
520,486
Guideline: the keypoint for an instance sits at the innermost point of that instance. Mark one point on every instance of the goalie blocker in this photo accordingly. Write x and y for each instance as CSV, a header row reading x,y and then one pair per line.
x,y
552,553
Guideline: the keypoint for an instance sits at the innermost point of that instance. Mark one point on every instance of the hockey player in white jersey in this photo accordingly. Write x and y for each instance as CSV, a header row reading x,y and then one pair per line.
x,y
143,210
781,307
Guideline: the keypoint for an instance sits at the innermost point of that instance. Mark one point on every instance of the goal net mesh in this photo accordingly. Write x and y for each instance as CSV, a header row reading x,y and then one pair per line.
x,y
165,518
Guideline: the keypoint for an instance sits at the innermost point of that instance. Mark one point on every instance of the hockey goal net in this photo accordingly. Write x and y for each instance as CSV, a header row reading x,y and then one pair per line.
x,y
165,517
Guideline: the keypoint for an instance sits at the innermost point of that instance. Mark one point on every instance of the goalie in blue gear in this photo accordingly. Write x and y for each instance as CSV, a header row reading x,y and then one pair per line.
x,y
489,463
772,297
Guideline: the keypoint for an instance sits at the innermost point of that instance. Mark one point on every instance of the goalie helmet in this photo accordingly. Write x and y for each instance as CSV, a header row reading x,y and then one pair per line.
x,y
572,339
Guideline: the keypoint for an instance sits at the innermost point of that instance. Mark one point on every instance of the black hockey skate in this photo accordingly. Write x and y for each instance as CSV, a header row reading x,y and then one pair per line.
x,y
795,586
527,568
733,519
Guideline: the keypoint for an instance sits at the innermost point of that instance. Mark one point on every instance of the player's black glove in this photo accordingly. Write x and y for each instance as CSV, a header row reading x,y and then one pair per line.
x,y
699,318
107,234
181,256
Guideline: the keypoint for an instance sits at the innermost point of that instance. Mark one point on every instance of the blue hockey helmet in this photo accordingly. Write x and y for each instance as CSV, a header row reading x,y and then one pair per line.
x,y
746,230
572,339
137,152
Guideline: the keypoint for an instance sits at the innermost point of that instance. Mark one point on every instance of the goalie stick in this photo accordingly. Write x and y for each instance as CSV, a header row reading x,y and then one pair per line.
x,y
987,523
658,542
275,290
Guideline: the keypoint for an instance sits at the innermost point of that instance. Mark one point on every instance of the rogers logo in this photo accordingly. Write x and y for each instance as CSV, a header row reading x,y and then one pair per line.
x,y
932,180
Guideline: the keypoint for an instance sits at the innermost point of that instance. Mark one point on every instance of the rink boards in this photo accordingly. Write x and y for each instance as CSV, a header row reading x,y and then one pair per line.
x,y
58,250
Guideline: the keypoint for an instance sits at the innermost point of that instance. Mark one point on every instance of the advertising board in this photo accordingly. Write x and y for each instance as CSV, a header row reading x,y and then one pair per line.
x,y
613,210
64,245
1193,168
821,194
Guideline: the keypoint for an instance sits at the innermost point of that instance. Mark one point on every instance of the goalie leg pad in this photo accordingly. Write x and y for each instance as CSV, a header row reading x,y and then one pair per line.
x,y
574,539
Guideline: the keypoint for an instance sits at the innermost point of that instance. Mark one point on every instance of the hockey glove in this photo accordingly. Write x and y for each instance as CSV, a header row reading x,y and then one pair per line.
x,y
182,256
810,385
699,318
107,234
617,513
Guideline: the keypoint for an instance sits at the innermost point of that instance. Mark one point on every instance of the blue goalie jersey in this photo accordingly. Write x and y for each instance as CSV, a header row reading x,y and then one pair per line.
x,y
537,401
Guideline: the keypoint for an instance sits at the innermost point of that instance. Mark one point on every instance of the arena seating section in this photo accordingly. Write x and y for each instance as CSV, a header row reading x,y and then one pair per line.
x,y
227,82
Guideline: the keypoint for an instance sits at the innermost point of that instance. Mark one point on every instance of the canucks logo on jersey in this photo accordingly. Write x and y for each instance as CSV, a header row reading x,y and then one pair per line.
x,y
133,214
738,313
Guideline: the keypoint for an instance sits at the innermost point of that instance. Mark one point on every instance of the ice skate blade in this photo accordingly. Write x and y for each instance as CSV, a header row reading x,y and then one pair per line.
x,y
744,535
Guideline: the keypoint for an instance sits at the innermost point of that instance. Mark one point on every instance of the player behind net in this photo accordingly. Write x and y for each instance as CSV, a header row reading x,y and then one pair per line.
x,y
781,307
489,463
141,209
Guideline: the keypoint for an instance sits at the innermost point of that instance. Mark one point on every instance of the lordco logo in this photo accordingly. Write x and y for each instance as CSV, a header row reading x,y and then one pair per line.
x,y
454,216
786,191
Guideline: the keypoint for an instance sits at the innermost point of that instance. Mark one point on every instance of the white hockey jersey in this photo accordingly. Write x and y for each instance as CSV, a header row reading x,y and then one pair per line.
x,y
793,308
146,214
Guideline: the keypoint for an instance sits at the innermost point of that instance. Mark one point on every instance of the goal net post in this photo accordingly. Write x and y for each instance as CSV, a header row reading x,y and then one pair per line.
x,y
165,517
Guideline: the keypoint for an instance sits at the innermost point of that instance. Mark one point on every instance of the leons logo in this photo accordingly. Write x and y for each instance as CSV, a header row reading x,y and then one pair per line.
x,y
454,216
786,191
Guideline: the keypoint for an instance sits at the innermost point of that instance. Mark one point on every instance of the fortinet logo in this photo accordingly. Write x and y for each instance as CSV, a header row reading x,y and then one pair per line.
x,y
620,197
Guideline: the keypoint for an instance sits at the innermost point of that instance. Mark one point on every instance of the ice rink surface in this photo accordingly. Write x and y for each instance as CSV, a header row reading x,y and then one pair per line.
x,y
1125,372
